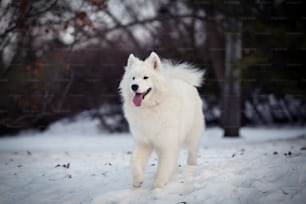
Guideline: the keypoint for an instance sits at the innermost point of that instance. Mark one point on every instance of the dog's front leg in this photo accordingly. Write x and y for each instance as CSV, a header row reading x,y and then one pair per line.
x,y
166,165
139,161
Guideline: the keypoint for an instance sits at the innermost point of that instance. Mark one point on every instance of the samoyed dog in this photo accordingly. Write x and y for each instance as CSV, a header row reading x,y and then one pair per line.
x,y
164,112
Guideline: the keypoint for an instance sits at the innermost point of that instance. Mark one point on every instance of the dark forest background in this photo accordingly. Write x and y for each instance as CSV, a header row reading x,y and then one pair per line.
x,y
60,58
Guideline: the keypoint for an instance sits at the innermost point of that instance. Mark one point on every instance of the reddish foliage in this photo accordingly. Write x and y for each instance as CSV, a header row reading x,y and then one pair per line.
x,y
79,25
28,68
36,72
59,57
68,67
81,15
40,64
66,26
16,98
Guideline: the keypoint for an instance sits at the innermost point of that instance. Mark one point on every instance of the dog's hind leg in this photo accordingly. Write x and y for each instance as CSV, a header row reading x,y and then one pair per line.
x,y
193,141
192,155
139,160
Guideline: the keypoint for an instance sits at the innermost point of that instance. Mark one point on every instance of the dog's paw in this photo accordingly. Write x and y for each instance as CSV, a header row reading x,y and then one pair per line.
x,y
192,161
159,183
137,184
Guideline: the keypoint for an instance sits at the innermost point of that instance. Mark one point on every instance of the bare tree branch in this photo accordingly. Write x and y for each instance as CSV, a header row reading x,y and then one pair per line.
x,y
25,17
151,20
44,10
127,31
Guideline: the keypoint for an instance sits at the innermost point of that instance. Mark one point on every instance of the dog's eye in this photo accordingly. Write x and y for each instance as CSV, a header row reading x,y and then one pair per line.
x,y
133,78
145,77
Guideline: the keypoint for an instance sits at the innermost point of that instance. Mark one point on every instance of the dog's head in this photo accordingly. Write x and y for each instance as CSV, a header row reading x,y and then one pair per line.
x,y
139,80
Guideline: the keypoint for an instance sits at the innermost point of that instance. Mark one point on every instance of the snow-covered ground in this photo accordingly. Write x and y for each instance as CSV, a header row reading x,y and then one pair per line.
x,y
76,163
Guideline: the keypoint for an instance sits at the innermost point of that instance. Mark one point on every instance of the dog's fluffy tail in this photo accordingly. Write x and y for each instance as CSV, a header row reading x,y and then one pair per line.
x,y
185,72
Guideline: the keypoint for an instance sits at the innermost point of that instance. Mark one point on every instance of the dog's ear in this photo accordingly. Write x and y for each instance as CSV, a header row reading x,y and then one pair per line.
x,y
154,60
131,60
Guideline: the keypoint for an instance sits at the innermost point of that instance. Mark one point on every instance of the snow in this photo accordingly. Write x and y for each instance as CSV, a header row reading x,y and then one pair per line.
x,y
265,165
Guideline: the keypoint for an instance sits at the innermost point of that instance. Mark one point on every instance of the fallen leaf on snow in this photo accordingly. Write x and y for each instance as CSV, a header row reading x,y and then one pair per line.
x,y
303,148
64,165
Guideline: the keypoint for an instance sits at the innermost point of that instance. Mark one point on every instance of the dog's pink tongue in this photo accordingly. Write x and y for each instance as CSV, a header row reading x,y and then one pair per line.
x,y
137,99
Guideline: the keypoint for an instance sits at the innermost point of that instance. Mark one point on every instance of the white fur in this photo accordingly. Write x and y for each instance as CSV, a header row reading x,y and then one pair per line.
x,y
169,117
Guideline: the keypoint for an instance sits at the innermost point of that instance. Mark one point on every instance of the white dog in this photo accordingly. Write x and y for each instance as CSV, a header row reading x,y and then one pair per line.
x,y
164,112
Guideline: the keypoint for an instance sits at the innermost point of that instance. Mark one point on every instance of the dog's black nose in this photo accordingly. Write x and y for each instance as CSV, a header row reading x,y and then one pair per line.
x,y
135,87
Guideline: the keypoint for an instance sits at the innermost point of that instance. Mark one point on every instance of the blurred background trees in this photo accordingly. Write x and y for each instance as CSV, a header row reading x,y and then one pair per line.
x,y
59,58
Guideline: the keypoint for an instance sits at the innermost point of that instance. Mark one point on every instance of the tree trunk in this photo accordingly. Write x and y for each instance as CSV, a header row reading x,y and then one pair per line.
x,y
228,77
231,117
216,49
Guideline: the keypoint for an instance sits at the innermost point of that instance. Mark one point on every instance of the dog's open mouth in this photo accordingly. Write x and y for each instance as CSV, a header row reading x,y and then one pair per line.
x,y
137,100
